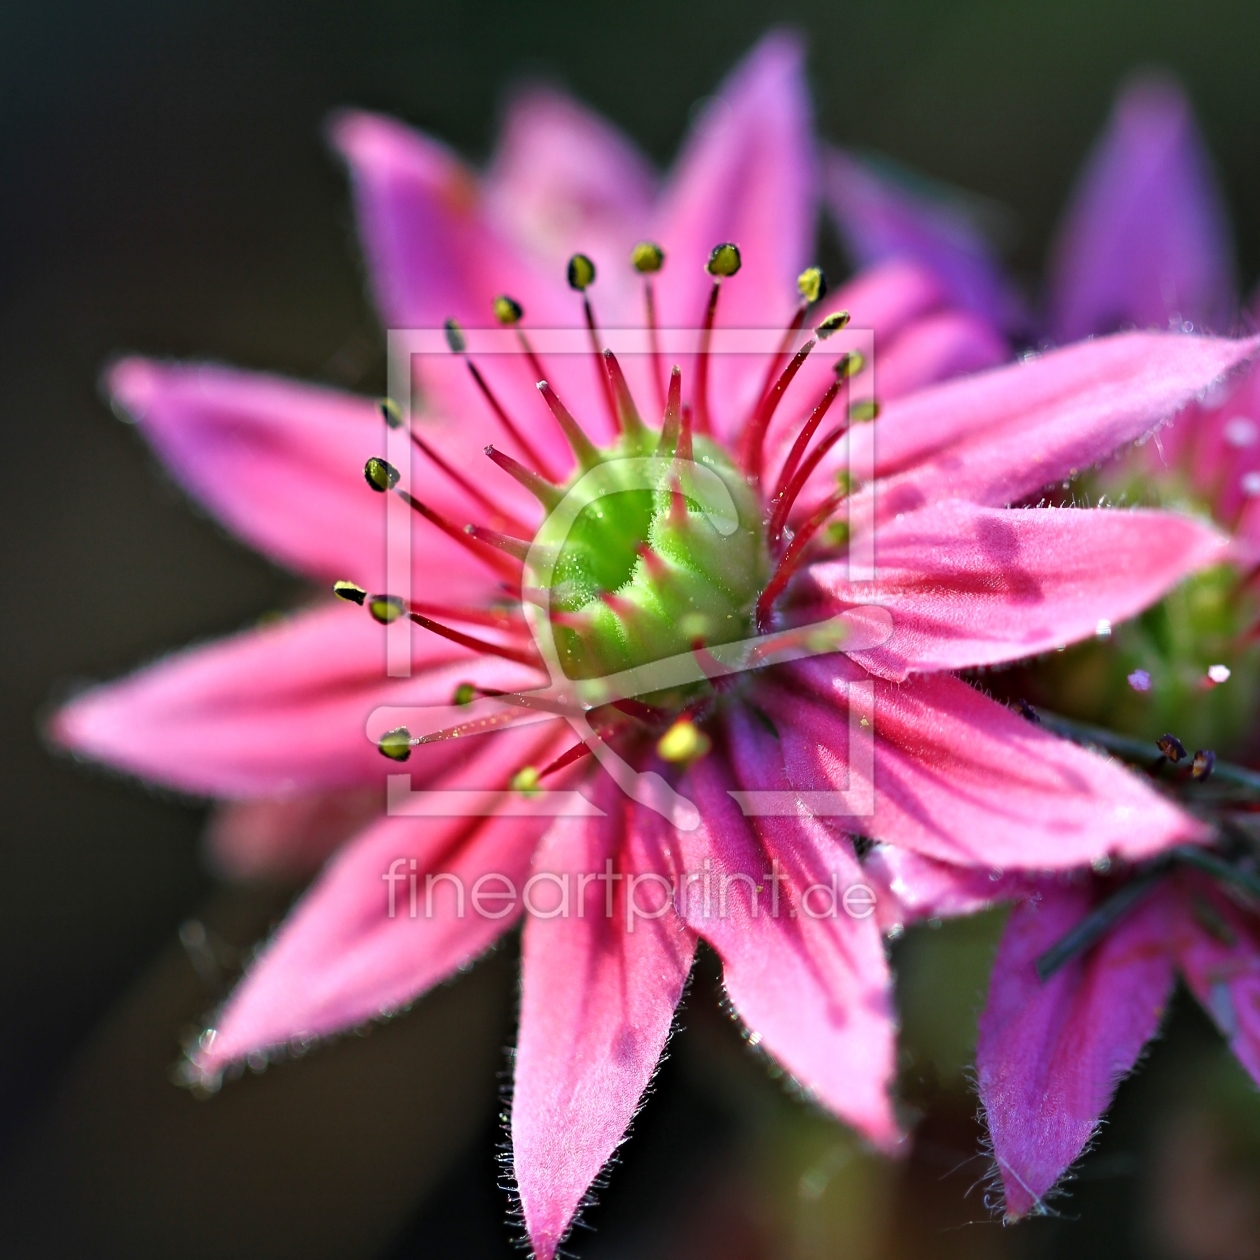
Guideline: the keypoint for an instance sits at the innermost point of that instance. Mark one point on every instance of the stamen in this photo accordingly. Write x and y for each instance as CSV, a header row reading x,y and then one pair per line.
x,y
507,311
647,259
380,474
567,758
628,419
812,286
1171,747
458,344
832,324
724,261
547,493
520,655
581,445
395,744
479,496
792,557
1203,764
525,781
807,432
581,275
349,592
684,742
754,439
386,608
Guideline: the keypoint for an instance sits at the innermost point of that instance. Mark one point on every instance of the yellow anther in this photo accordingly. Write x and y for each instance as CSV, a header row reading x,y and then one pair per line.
x,y
812,284
395,744
850,364
386,608
391,412
683,742
455,337
647,257
380,474
863,411
724,260
465,693
350,592
832,324
525,781
507,310
581,272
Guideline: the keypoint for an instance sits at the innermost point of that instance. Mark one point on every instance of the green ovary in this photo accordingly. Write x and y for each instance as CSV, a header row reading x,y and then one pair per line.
x,y
696,583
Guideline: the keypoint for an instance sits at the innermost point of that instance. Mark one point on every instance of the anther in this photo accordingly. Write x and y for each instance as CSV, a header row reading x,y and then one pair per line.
x,y
455,337
465,693
386,608
525,781
811,284
832,324
647,258
865,411
850,364
380,474
582,446
390,412
724,260
548,494
1171,747
683,742
1203,764
395,744
349,592
580,273
507,310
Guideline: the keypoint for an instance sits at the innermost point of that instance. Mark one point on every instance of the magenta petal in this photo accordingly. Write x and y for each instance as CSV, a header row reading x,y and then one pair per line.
x,y
882,216
963,779
913,887
943,345
281,464
1146,238
598,994
340,958
970,586
1002,435
278,711
564,179
1217,949
1050,1054
747,175
808,978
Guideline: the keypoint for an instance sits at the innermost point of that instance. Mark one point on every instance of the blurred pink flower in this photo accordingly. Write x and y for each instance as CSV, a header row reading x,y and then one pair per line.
x,y
274,718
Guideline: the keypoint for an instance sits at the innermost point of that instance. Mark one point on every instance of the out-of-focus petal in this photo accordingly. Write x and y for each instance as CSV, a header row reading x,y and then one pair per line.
x,y
940,347
913,887
1146,238
598,993
999,436
341,957
882,214
1050,1054
962,779
807,976
1217,949
969,586
565,179
746,174
277,711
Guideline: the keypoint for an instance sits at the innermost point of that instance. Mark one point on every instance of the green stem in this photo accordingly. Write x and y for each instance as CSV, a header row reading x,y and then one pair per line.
x,y
1205,860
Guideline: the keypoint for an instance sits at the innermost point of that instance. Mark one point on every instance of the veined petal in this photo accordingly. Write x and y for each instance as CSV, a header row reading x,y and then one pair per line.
x,y
746,174
962,779
913,887
970,586
883,215
808,977
1050,1054
341,957
564,178
1217,949
598,993
281,464
1146,238
272,712
999,436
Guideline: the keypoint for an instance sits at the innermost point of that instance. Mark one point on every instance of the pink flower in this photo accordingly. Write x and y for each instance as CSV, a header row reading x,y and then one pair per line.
x,y
1052,1051
274,718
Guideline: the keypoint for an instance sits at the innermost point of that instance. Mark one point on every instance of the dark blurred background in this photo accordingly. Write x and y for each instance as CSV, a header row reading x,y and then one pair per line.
x,y
166,189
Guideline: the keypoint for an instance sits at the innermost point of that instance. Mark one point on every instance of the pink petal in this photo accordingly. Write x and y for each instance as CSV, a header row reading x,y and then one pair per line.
x,y
1002,435
747,175
281,464
1217,949
939,347
597,1002
813,991
340,959
962,779
565,179
971,586
1146,238
277,711
1050,1055
913,887
881,215
287,839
